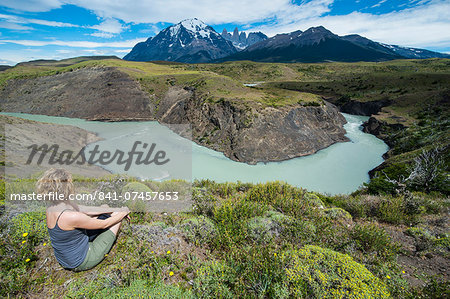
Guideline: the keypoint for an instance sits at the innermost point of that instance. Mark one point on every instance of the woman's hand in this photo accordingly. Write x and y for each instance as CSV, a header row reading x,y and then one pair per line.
x,y
123,212
80,220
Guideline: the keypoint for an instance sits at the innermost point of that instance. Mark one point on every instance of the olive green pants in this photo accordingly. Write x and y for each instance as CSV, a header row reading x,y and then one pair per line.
x,y
97,250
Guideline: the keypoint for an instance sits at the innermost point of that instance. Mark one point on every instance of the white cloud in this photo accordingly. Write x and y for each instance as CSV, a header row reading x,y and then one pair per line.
x,y
123,51
95,52
32,5
108,28
103,34
19,20
424,25
12,26
173,11
78,44
421,26
378,4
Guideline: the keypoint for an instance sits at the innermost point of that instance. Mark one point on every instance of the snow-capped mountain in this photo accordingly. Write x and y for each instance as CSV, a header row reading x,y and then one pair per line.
x,y
189,41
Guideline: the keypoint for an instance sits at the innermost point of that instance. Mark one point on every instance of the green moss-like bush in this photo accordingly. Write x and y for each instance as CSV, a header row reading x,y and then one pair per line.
x,y
338,214
371,238
136,204
104,288
315,272
213,281
203,201
31,223
266,227
199,229
422,238
136,187
314,200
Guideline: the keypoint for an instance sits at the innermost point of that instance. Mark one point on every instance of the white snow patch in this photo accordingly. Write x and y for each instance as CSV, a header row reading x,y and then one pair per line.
x,y
193,24
174,30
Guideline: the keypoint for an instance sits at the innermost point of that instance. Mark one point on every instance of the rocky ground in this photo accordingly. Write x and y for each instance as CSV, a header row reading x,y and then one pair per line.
x,y
20,133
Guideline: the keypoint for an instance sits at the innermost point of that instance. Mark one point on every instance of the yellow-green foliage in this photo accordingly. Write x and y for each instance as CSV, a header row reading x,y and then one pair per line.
x,y
314,200
315,272
338,214
2,192
136,187
264,228
33,224
418,233
284,197
199,229
137,289
213,281
422,237
443,242
136,204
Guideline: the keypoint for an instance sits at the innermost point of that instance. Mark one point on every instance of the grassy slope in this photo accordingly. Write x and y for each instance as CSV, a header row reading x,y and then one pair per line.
x,y
242,241
156,78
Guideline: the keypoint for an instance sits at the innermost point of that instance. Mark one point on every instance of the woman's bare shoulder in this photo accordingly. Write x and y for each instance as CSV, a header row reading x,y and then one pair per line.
x,y
63,216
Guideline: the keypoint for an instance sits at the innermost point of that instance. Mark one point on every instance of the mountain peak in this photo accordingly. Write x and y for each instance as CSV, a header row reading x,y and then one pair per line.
x,y
190,40
194,27
193,24
241,40
319,30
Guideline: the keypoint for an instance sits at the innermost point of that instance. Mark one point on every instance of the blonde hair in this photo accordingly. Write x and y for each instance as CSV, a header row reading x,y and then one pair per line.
x,y
56,181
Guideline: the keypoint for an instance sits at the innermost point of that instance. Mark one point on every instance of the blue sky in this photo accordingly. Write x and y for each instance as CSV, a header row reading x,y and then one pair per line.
x,y
56,29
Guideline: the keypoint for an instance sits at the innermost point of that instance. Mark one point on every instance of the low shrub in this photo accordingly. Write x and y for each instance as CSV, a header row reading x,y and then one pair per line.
x,y
285,198
199,230
264,228
258,271
106,288
204,201
214,280
135,187
315,272
338,214
33,224
370,238
231,219
391,210
422,238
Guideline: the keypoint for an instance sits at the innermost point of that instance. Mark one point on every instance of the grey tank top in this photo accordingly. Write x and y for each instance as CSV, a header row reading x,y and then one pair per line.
x,y
70,246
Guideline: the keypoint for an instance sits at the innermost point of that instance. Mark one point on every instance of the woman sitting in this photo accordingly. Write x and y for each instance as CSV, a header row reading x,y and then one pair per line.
x,y
79,239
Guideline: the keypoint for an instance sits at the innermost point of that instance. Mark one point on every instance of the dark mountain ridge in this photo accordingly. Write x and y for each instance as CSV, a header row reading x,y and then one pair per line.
x,y
317,44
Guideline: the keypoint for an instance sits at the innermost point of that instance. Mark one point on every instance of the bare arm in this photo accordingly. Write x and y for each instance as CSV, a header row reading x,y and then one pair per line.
x,y
81,220
95,211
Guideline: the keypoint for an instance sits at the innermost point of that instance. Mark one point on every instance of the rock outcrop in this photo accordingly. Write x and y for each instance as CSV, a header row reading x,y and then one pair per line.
x,y
254,135
241,40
